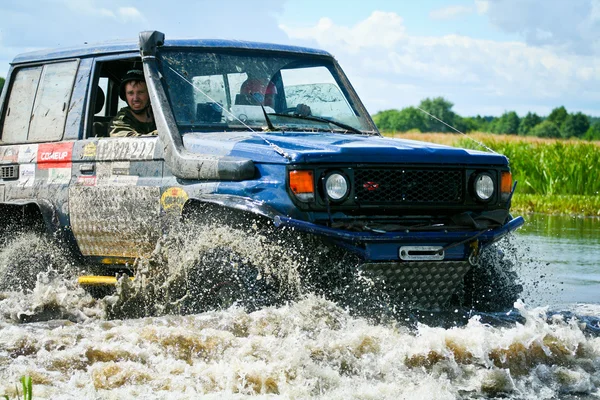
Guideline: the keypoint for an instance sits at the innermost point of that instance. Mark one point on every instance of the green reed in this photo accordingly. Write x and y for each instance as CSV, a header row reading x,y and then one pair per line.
x,y
26,385
556,204
558,168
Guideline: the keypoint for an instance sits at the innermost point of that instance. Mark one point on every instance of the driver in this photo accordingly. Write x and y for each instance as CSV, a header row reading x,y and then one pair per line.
x,y
137,118
258,92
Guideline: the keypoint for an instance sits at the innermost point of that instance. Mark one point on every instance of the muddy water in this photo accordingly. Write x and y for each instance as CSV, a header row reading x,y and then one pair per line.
x,y
548,347
563,259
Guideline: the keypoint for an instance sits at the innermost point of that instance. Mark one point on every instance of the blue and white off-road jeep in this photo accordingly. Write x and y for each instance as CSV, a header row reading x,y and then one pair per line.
x,y
295,151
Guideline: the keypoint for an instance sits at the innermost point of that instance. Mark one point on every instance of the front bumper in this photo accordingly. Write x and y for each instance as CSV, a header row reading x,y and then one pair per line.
x,y
419,285
375,246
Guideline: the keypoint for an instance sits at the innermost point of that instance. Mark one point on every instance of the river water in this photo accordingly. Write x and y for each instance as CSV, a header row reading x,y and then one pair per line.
x,y
548,347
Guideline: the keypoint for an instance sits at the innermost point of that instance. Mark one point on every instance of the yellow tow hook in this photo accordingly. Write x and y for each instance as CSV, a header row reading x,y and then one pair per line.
x,y
474,256
98,280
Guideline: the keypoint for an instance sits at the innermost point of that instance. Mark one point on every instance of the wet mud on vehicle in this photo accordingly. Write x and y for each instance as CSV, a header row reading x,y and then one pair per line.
x,y
268,139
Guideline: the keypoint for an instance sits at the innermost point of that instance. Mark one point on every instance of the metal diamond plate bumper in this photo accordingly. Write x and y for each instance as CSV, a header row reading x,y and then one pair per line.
x,y
424,285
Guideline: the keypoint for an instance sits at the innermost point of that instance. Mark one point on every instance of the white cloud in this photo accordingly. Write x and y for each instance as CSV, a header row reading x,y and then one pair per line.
x,y
553,65
380,29
482,6
566,26
33,25
595,13
128,14
450,12
87,7
458,67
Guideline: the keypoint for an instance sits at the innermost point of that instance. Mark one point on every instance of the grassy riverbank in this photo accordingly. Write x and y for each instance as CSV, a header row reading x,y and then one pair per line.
x,y
554,176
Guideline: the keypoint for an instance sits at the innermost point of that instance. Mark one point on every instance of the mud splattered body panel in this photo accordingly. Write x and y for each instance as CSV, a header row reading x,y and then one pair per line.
x,y
108,191
115,221
115,196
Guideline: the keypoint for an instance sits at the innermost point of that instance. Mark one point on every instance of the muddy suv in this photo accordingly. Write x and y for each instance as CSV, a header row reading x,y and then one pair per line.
x,y
300,155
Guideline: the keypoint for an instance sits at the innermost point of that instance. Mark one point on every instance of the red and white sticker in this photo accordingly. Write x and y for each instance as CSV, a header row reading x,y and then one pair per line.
x,y
55,155
86,180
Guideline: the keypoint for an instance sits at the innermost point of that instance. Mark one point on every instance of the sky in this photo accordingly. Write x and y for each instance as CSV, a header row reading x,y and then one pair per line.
x,y
485,56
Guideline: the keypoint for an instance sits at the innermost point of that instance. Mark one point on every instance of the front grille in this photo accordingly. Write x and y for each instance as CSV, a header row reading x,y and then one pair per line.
x,y
9,172
409,186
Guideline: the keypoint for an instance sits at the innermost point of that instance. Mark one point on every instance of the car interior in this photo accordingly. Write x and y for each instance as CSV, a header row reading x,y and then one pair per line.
x,y
106,102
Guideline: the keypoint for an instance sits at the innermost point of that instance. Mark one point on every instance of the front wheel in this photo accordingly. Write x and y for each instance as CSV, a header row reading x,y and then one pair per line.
x,y
221,277
491,285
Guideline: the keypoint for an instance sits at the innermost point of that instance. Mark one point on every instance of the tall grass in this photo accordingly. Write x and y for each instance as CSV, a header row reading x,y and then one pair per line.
x,y
555,176
557,204
555,168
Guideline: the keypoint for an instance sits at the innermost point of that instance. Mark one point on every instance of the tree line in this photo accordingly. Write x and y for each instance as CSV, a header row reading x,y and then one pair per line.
x,y
558,124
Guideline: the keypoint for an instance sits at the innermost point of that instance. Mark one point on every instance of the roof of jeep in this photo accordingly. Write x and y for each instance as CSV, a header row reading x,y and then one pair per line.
x,y
115,47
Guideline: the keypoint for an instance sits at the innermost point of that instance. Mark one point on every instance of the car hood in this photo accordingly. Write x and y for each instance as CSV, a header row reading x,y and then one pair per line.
x,y
325,147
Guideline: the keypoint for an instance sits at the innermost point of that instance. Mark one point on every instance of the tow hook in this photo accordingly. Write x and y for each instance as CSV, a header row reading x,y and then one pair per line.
x,y
474,256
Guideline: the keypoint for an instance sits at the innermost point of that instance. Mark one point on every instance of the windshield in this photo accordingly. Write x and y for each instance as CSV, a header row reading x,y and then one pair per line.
x,y
226,89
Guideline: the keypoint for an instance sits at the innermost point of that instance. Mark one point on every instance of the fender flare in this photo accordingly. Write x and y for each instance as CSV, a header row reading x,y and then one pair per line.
x,y
237,203
47,210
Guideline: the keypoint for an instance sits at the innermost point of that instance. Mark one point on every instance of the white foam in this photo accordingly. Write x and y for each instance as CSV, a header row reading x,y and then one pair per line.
x,y
310,348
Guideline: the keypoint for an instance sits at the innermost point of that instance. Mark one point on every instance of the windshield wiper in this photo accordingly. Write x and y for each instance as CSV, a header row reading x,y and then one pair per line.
x,y
269,123
321,119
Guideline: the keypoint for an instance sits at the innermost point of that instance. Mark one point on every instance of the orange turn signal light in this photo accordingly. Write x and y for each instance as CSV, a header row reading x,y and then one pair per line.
x,y
302,184
506,184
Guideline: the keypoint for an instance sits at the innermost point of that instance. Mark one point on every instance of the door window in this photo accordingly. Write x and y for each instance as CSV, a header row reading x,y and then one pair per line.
x,y
52,102
38,103
20,104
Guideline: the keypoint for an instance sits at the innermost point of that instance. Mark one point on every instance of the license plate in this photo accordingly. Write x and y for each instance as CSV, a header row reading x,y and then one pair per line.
x,y
421,253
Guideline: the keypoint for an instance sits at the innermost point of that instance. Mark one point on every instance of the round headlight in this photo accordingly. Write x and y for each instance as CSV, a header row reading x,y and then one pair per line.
x,y
484,187
336,186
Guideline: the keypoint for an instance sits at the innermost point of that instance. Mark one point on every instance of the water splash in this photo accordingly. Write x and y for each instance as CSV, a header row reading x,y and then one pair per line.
x,y
188,268
311,348
38,283
305,347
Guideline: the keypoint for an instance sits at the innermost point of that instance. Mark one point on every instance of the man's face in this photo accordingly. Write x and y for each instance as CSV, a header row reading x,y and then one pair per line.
x,y
137,95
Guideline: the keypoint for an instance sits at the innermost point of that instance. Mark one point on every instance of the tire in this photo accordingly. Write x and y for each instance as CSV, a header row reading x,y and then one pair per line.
x,y
233,261
25,256
221,278
335,274
203,264
492,285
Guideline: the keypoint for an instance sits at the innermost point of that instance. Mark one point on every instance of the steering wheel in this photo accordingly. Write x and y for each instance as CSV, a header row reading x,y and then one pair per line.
x,y
300,109
289,110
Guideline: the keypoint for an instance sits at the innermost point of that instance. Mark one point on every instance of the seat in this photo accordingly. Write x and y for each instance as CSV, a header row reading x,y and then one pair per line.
x,y
245,100
101,123
100,99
